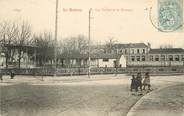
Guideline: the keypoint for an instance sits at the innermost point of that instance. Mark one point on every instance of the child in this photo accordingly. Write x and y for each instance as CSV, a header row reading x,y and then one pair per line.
x,y
146,81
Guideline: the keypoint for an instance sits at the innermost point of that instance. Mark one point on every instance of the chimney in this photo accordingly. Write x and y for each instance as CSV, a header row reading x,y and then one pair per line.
x,y
149,45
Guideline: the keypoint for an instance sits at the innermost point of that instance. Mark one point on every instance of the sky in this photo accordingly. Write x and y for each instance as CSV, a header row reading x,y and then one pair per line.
x,y
127,21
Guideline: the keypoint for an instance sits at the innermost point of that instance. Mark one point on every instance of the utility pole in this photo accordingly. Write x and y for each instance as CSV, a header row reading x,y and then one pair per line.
x,y
56,30
89,43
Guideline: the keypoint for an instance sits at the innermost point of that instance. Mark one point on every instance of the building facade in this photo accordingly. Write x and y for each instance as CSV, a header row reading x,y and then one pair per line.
x,y
140,54
121,55
96,60
160,57
11,54
133,52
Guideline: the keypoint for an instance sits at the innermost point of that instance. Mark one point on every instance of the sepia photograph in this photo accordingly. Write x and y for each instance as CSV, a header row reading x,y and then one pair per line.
x,y
91,58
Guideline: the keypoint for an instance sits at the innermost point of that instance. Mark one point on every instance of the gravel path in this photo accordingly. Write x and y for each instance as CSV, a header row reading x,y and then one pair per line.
x,y
70,97
168,101
98,96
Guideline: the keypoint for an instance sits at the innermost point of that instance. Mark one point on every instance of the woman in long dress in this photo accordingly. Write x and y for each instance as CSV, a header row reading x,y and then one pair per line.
x,y
139,81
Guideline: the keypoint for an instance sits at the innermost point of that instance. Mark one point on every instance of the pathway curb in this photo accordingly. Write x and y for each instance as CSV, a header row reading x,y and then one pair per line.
x,y
133,109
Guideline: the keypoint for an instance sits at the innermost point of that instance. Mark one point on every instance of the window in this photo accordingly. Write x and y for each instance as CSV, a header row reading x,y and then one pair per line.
x,y
170,58
127,58
182,57
125,51
132,58
74,62
138,51
138,58
132,51
157,58
177,58
161,69
162,58
105,59
151,58
143,51
93,59
143,58
121,51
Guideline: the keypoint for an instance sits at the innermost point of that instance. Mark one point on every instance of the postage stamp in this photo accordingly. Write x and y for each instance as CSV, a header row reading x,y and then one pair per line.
x,y
170,15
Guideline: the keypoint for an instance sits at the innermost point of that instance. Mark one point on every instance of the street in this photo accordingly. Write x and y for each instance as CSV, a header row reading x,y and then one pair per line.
x,y
101,95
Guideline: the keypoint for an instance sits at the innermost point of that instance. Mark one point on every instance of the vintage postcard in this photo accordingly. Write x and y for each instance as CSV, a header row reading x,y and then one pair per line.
x,y
91,58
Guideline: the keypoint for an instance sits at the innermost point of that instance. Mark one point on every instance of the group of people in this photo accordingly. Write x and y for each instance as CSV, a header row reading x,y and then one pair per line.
x,y
138,82
11,73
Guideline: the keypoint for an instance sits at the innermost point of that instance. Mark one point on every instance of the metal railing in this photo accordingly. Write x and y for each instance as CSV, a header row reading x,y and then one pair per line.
x,y
45,71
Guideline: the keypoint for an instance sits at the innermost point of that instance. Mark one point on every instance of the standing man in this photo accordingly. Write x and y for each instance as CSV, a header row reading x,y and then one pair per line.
x,y
12,74
1,75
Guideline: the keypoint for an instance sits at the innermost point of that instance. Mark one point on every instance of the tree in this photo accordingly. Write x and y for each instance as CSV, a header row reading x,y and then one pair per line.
x,y
45,43
8,34
15,36
77,44
74,46
110,45
23,38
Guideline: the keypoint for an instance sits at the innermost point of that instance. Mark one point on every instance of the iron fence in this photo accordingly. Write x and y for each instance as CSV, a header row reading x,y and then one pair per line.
x,y
101,70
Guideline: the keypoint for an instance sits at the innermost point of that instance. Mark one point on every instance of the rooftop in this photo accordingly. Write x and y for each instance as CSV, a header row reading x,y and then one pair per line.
x,y
93,56
167,51
131,45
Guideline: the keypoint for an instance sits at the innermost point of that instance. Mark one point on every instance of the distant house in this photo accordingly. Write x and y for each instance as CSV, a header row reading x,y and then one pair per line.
x,y
96,60
132,48
26,58
68,60
162,57
108,60
167,57
121,55
133,52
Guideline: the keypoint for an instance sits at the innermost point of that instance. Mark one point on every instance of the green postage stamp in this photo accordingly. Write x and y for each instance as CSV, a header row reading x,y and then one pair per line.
x,y
170,15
